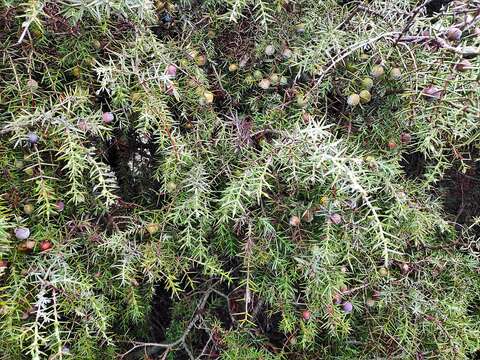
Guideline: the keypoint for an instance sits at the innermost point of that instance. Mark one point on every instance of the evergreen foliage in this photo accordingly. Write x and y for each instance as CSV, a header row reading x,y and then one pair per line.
x,y
218,179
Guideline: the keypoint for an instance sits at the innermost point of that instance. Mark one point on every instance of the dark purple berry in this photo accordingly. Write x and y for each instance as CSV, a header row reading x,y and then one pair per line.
x,y
32,138
347,307
454,34
59,205
167,18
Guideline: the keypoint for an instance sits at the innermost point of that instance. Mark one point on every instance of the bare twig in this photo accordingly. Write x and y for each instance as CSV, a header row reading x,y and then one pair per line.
x,y
412,17
464,51
180,342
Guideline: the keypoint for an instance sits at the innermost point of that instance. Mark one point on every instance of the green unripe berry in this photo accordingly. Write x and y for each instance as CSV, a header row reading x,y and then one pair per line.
x,y
367,83
171,186
274,79
301,101
77,71
36,32
377,71
351,67
249,79
396,74
233,67
152,228
28,209
300,28
365,96
19,164
383,271
257,74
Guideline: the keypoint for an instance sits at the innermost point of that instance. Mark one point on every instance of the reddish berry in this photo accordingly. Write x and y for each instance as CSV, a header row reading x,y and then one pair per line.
x,y
287,53
45,245
201,60
392,145
32,84
306,314
264,84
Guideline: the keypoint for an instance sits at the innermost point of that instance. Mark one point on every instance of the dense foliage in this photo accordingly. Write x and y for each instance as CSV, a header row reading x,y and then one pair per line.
x,y
239,179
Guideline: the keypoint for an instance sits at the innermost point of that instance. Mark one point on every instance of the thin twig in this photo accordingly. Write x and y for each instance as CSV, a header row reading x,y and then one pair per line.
x,y
464,51
181,340
412,17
